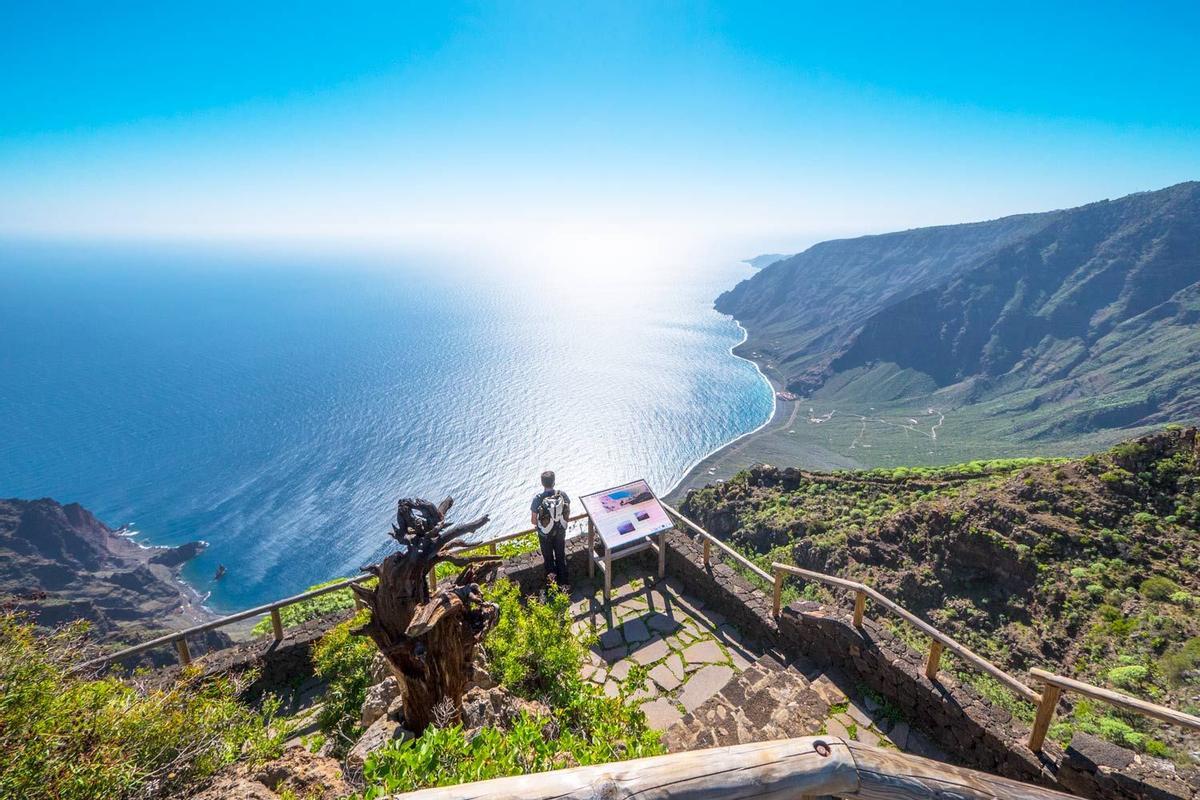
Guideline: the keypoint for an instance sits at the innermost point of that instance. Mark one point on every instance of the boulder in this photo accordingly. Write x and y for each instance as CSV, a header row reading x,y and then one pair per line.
x,y
379,697
382,731
297,773
498,708
304,774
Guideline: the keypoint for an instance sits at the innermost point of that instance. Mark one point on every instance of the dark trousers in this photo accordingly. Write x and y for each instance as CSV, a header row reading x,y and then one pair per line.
x,y
554,554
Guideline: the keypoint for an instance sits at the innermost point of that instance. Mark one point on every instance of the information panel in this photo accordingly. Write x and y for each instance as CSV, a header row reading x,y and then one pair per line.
x,y
626,514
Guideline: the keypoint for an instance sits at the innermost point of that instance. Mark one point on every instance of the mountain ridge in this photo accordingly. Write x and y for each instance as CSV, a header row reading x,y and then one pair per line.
x,y
1047,326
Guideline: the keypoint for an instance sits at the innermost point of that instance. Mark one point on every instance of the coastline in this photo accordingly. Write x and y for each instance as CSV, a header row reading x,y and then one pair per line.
x,y
706,469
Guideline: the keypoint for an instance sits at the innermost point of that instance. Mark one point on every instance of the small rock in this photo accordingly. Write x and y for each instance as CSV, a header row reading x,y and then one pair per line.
x,y
664,677
635,631
651,651
379,697
705,652
703,685
611,639
380,668
899,735
661,713
620,670
380,733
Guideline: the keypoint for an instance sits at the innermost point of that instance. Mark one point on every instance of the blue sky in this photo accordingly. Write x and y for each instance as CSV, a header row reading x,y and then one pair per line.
x,y
754,126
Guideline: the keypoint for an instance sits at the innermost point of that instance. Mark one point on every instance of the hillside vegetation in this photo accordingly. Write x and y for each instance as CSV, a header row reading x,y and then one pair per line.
x,y
1090,567
1067,328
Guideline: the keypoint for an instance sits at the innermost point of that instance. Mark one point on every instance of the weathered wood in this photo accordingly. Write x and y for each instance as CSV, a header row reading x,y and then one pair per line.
x,y
707,552
591,547
860,608
787,769
934,661
947,641
276,624
892,775
1045,713
428,637
1117,699
777,594
782,770
724,548
662,554
181,647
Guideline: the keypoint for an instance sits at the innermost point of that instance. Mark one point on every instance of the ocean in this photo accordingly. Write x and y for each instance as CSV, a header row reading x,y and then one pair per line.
x,y
276,406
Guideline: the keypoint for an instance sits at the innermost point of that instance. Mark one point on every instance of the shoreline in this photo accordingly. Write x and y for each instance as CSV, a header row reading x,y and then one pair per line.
x,y
711,467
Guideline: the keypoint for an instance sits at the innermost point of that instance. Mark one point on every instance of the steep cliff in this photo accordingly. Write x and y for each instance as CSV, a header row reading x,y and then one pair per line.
x,y
1047,326
59,564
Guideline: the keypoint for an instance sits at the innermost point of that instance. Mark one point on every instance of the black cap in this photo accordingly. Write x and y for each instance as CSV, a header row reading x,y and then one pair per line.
x,y
548,479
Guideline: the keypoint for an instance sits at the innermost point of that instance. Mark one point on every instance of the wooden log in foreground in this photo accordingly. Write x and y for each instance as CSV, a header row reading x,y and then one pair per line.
x,y
788,769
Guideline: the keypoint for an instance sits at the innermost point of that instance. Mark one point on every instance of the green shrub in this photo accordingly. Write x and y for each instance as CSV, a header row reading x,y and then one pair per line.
x,y
1158,588
1182,598
312,608
532,652
66,737
1179,662
1128,677
345,661
532,649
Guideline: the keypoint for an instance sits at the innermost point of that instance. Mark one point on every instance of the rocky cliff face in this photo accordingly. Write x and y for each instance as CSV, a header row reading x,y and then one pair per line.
x,y
1025,314
61,564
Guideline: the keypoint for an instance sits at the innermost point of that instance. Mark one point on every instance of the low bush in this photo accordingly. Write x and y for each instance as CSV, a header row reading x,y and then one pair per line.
x,y
1158,588
315,607
344,660
533,653
67,737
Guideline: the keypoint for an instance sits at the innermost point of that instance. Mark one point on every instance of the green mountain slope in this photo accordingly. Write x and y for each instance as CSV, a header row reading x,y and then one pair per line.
x,y
1072,328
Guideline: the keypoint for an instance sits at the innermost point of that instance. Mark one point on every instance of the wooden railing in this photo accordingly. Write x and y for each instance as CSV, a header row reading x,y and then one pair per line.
x,y
1046,701
710,541
939,641
179,638
1055,685
810,766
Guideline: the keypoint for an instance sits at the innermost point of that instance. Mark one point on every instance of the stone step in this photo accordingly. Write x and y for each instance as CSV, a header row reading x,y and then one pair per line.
x,y
768,700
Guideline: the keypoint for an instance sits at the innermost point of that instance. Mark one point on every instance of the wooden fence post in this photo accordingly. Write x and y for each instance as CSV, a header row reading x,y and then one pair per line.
x,y
492,548
935,659
1045,713
860,607
591,546
777,599
276,624
433,580
185,656
707,552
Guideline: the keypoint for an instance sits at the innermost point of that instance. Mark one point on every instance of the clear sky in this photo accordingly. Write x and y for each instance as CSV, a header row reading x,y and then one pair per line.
x,y
765,126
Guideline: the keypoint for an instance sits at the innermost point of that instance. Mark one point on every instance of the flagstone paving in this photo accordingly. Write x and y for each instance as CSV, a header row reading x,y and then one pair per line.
x,y
703,683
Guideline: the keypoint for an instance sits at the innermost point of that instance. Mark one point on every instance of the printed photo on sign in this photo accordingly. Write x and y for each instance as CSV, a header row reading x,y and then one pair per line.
x,y
626,513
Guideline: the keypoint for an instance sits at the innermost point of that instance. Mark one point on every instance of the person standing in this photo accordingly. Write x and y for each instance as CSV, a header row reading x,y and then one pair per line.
x,y
549,512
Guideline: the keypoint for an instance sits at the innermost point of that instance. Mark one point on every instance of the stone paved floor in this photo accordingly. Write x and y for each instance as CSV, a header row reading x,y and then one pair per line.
x,y
705,684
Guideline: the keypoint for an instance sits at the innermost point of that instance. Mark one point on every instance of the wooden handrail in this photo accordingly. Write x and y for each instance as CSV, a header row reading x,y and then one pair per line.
x,y
1056,685
179,638
809,766
490,544
940,640
709,540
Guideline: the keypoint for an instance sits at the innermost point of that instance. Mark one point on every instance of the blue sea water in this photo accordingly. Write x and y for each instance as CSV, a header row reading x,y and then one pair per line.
x,y
276,406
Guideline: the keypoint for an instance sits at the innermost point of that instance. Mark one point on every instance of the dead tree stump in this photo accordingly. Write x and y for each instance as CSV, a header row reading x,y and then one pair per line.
x,y
428,639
